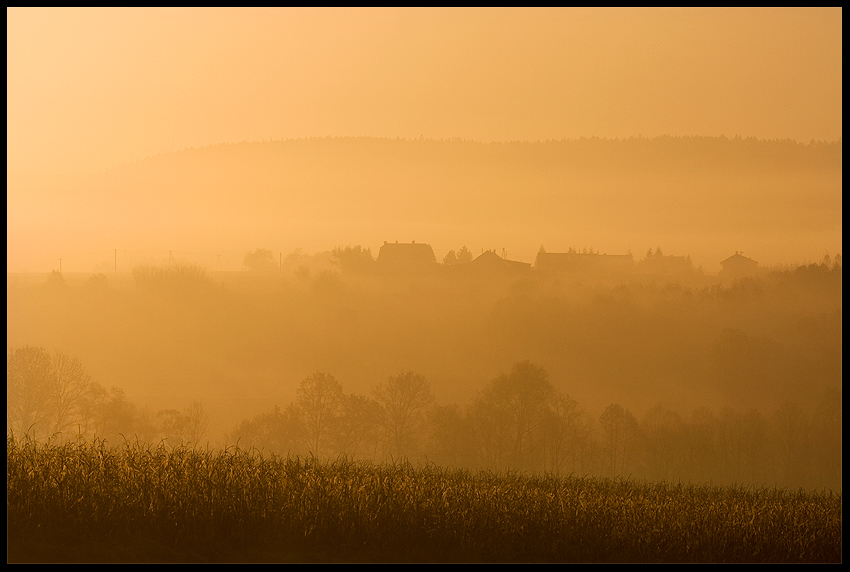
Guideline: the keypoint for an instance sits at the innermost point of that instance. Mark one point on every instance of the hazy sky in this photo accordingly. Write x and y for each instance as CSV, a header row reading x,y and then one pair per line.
x,y
90,88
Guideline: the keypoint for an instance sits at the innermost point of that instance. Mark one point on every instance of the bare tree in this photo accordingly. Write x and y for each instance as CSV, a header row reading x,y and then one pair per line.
x,y
619,428
403,399
516,404
792,443
69,392
700,453
664,440
172,425
318,401
197,422
29,377
117,415
47,395
562,431
450,434
356,428
741,438
276,431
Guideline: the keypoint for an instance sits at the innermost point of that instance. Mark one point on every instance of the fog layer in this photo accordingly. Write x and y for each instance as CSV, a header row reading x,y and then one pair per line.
x,y
778,201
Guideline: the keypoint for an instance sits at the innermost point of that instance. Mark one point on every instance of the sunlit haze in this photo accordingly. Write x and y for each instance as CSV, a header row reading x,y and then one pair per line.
x,y
94,88
634,214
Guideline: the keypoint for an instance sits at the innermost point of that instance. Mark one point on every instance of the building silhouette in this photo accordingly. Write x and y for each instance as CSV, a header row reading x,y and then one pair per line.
x,y
738,266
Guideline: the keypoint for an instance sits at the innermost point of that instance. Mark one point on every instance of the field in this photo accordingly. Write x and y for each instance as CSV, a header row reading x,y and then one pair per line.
x,y
86,502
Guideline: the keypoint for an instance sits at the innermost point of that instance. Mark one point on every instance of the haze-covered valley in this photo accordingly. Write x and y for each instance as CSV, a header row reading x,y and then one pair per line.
x,y
637,212
242,343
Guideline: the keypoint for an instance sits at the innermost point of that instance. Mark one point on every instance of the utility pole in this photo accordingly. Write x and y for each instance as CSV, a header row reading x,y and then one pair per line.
x,y
60,266
280,262
116,261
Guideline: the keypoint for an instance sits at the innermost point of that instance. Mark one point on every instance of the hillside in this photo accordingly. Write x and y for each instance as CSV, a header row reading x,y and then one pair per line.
x,y
703,196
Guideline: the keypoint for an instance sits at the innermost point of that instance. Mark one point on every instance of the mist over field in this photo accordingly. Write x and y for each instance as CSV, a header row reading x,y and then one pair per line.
x,y
657,336
561,242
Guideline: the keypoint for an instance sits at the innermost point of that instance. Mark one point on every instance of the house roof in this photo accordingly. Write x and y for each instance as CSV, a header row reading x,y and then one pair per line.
x,y
582,260
739,259
490,259
406,253
488,264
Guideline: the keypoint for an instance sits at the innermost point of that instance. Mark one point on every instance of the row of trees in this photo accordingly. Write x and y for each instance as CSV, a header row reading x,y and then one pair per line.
x,y
521,421
51,396
324,421
347,258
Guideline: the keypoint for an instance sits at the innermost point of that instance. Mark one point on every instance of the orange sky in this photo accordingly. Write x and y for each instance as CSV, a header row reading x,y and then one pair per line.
x,y
93,88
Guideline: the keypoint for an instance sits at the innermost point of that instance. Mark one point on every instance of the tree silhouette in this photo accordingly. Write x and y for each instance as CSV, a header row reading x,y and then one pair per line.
x,y
56,280
449,441
403,399
259,260
663,432
562,433
97,282
352,259
70,387
619,428
462,256
29,380
172,426
197,422
46,395
516,403
318,401
355,429
180,279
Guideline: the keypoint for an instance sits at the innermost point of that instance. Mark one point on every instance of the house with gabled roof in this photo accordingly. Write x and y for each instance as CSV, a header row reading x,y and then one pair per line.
x,y
738,266
491,264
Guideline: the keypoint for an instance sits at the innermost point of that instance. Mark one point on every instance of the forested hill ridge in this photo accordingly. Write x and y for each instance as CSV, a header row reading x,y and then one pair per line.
x,y
713,153
717,194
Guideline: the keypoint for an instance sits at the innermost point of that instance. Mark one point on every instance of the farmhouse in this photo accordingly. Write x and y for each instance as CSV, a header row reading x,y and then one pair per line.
x,y
406,256
738,266
490,264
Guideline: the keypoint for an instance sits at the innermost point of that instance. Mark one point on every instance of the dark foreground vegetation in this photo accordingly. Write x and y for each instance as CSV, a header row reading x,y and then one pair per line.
x,y
84,501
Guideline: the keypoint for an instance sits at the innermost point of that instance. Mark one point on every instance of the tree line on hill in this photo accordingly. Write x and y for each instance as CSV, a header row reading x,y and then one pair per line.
x,y
765,344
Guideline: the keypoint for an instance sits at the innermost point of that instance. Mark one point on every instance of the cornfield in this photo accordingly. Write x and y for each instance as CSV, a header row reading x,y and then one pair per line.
x,y
86,501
